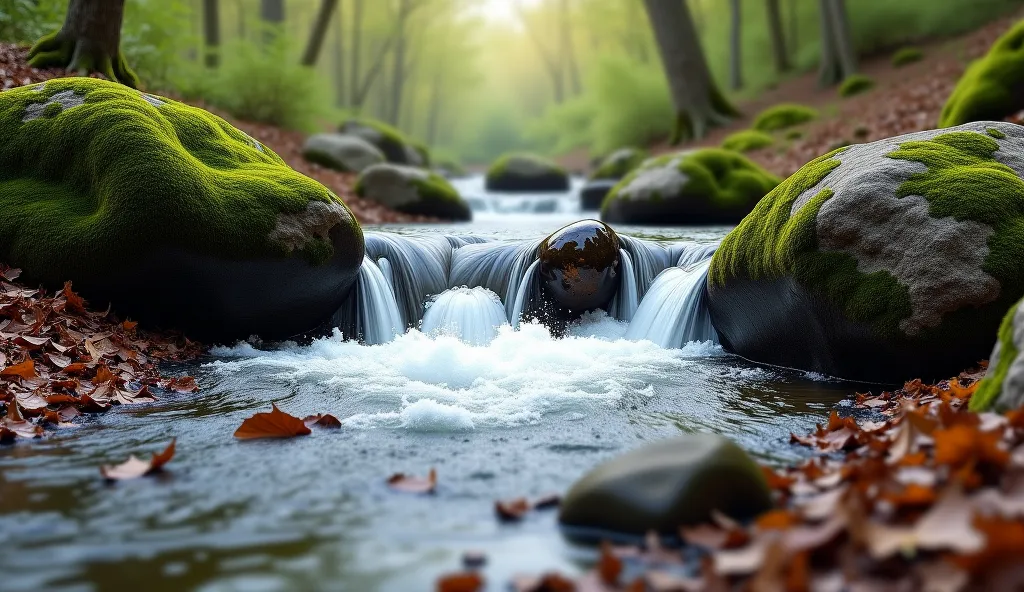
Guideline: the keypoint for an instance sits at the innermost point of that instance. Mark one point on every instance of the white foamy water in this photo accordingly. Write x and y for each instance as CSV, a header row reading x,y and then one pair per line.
x,y
472,314
423,383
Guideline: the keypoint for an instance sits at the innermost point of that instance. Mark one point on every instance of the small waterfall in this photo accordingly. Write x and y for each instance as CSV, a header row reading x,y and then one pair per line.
x,y
648,260
523,294
497,266
674,312
623,306
418,268
471,314
378,316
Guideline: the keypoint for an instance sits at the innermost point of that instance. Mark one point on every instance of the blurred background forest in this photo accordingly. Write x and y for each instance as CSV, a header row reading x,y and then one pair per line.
x,y
476,78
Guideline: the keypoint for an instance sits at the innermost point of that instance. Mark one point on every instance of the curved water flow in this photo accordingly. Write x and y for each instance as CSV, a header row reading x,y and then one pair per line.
x,y
471,314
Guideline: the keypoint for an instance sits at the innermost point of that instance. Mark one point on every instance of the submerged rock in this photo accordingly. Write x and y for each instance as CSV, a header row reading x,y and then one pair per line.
x,y
579,266
167,211
413,191
341,152
993,86
526,173
618,164
1002,389
880,261
708,186
594,192
665,485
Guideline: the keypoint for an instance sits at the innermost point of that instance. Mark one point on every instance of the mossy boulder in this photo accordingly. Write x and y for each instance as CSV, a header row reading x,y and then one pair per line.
x,y
413,191
526,173
783,116
1002,389
449,169
881,261
169,212
664,485
618,164
747,141
993,86
906,56
855,85
708,186
341,152
396,148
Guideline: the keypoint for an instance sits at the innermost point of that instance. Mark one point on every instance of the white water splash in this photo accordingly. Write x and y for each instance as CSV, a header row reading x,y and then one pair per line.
x,y
673,311
470,314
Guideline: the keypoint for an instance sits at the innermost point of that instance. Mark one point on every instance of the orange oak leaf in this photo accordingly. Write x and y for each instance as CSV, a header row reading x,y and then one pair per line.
x,y
275,424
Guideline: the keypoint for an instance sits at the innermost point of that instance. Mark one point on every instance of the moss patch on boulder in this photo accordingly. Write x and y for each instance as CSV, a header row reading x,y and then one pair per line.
x,y
855,85
707,186
397,148
747,141
342,152
905,56
413,191
619,163
523,172
100,182
783,116
1002,388
993,86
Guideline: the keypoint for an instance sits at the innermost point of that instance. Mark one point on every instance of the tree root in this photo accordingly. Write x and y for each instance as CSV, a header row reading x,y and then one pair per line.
x,y
79,55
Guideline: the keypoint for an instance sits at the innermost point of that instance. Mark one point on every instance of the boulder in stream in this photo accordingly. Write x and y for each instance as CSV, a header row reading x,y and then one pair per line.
x,y
413,191
580,266
169,212
397,148
526,173
342,152
618,164
664,485
882,261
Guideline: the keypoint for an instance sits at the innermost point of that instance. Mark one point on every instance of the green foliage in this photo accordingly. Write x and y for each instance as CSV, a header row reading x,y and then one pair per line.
x,y
635,108
25,21
993,86
783,116
155,36
747,140
855,85
984,399
906,55
126,174
564,126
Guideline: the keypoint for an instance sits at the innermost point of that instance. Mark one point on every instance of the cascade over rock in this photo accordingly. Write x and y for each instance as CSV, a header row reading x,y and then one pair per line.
x,y
580,266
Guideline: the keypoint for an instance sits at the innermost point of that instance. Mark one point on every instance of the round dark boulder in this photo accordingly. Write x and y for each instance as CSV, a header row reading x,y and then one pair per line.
x,y
579,266
593,193
664,485
526,173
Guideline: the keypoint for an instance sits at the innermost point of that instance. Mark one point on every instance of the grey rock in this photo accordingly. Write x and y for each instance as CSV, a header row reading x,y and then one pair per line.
x,y
342,152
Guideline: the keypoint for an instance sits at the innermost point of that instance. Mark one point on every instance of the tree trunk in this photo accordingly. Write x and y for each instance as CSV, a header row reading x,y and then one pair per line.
x,y
568,53
89,41
319,32
211,32
398,66
697,101
837,57
736,47
357,42
272,15
339,57
794,30
778,38
241,19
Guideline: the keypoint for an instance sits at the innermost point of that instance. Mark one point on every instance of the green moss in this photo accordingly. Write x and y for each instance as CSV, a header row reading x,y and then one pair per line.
x,y
992,385
52,110
855,85
391,142
500,165
423,151
995,133
118,177
783,116
993,86
619,163
963,181
794,134
905,56
747,140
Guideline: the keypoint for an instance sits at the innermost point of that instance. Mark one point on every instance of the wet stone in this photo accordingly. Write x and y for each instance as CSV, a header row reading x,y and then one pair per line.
x,y
579,266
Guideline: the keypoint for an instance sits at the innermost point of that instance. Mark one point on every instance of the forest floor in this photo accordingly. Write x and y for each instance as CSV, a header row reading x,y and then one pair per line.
x,y
15,71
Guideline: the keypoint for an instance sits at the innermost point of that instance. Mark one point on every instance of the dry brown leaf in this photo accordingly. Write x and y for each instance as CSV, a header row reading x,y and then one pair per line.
x,y
26,370
275,424
323,420
412,484
469,581
134,467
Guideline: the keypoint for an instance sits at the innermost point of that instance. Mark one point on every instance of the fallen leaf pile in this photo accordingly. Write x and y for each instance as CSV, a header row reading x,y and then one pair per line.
x,y
908,490
58,359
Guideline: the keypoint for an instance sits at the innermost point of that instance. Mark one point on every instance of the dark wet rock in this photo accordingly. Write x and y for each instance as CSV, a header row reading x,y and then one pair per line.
x,y
413,191
664,485
594,192
341,152
526,173
880,262
618,164
168,212
580,266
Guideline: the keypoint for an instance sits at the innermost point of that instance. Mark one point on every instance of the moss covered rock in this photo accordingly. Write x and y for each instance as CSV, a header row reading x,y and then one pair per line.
x,y
747,141
1003,386
341,152
993,86
526,173
618,164
708,186
168,212
592,194
413,191
664,485
880,261
855,85
397,148
905,56
783,116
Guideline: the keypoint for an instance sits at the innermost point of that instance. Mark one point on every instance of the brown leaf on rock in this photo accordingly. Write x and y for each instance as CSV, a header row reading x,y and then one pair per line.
x,y
135,467
275,424
412,484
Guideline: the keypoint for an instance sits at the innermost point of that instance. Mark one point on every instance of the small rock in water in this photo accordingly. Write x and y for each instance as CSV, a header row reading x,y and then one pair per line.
x,y
579,266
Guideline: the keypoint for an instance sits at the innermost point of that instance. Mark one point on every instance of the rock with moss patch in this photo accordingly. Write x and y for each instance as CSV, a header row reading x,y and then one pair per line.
x,y
342,152
906,56
783,116
855,85
618,164
664,485
392,143
747,141
413,191
881,261
993,86
527,173
167,211
708,186
1002,389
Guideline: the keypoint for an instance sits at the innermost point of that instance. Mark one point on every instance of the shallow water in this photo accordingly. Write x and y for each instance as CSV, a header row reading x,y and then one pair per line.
x,y
525,414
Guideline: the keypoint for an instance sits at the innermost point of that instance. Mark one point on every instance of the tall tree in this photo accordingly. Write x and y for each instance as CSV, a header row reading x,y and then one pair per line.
x,y
211,32
357,44
339,57
272,15
568,53
89,41
735,46
319,32
838,59
698,103
778,38
398,69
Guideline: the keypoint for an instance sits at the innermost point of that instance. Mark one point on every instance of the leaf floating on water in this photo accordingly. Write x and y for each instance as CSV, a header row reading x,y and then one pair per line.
x,y
512,510
323,420
412,484
135,467
275,424
469,581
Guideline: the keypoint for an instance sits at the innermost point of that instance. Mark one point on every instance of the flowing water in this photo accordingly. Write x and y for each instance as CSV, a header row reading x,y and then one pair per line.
x,y
499,413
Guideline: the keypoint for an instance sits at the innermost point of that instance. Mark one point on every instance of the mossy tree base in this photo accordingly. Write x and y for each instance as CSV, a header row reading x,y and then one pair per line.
x,y
81,56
